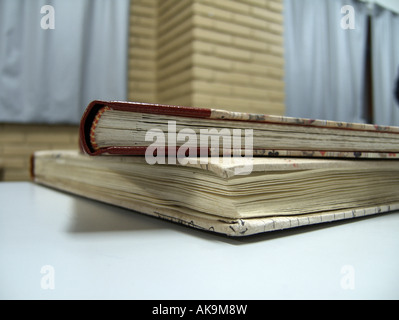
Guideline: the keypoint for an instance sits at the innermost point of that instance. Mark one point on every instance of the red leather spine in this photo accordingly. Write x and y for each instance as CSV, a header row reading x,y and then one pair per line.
x,y
93,108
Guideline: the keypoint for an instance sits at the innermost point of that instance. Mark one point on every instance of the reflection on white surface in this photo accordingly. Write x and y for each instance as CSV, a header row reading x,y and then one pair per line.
x,y
92,250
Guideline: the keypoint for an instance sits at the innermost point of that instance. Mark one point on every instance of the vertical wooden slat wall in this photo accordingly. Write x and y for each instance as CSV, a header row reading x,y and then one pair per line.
x,y
222,54
175,51
142,73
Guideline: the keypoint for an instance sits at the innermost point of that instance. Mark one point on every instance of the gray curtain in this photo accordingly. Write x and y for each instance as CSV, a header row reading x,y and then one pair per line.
x,y
324,63
392,5
50,75
385,49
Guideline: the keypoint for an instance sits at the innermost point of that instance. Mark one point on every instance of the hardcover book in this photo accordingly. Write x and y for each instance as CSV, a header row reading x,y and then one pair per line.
x,y
122,128
279,193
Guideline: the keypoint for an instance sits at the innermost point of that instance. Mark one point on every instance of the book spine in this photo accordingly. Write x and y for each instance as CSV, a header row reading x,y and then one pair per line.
x,y
96,108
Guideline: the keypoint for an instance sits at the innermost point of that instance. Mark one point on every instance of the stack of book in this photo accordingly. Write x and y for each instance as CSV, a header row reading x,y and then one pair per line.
x,y
232,173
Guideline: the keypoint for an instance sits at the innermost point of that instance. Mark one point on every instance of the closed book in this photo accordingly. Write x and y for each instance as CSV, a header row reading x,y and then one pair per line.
x,y
278,193
129,128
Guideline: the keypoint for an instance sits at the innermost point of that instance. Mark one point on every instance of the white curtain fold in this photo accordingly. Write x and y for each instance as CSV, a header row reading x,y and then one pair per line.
x,y
324,62
392,5
50,75
326,66
385,51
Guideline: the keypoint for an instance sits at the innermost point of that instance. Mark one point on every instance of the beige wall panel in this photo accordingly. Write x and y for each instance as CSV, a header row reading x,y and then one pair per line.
x,y
18,142
224,53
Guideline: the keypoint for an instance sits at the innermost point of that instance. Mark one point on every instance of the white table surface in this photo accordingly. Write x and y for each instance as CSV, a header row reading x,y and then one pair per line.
x,y
97,251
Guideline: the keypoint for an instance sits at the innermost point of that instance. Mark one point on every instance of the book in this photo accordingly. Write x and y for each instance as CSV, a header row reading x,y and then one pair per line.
x,y
130,128
279,193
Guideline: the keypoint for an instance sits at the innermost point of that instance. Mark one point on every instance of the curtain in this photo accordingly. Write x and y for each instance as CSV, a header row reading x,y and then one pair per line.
x,y
49,75
325,71
392,5
385,51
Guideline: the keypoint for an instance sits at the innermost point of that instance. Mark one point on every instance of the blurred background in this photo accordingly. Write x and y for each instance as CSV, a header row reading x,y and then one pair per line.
x,y
326,59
